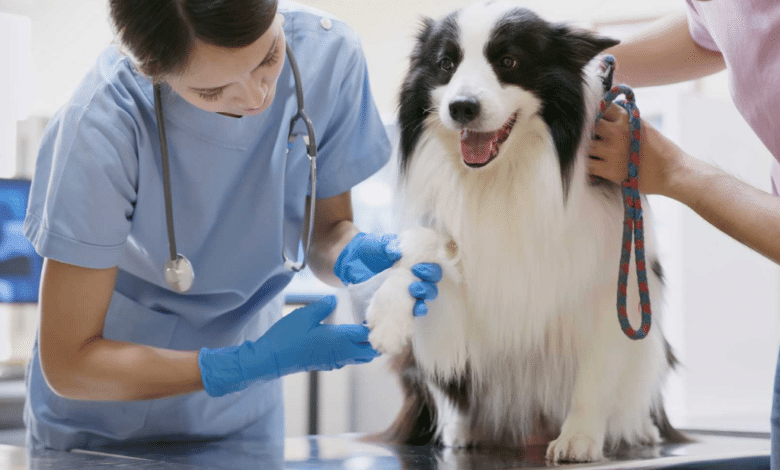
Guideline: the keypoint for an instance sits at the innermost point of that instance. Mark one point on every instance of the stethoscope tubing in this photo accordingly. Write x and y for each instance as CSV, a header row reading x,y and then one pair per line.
x,y
166,171
179,273
311,150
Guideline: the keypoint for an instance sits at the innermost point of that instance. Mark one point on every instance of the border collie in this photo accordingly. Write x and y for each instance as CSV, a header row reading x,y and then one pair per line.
x,y
522,347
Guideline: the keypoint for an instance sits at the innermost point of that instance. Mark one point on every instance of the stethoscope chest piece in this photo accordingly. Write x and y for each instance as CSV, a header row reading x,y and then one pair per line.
x,y
179,274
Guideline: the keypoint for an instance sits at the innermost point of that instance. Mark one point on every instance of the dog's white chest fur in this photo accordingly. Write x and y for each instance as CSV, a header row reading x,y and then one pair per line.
x,y
526,310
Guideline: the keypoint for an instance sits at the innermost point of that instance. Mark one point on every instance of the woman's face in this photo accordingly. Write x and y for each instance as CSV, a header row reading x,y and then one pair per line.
x,y
238,82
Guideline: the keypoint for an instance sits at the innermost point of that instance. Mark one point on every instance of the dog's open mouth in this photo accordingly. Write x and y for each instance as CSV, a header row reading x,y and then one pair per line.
x,y
479,148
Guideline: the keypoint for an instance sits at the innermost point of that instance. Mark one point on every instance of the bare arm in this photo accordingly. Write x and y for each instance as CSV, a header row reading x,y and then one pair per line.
x,y
662,54
333,229
79,363
747,214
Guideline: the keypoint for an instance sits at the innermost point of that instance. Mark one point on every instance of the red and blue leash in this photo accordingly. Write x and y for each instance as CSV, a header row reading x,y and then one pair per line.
x,y
633,227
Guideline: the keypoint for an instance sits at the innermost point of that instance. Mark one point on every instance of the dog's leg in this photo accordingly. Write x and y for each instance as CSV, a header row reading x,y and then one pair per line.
x,y
636,414
630,413
389,314
613,394
451,422
584,428
582,433
416,422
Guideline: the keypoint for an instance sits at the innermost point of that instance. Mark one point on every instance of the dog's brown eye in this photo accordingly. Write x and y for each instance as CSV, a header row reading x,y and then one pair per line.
x,y
446,64
508,62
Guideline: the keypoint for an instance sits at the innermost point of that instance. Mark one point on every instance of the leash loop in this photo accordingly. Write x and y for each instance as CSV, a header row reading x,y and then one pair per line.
x,y
633,226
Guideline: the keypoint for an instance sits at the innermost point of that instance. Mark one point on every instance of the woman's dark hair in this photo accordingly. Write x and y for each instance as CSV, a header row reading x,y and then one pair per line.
x,y
159,34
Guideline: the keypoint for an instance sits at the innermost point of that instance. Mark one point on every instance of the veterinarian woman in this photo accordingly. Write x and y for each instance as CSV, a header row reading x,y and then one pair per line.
x,y
131,332
744,37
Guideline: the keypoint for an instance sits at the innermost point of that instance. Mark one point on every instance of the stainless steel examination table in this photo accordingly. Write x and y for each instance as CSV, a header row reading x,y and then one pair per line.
x,y
712,451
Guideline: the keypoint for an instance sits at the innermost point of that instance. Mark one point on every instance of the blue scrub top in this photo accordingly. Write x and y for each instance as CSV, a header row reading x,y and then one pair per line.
x,y
97,201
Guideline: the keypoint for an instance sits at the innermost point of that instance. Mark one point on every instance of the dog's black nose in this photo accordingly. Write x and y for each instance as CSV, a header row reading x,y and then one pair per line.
x,y
464,110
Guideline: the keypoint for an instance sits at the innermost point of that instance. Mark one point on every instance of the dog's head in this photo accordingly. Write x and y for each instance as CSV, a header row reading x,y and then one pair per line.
x,y
485,69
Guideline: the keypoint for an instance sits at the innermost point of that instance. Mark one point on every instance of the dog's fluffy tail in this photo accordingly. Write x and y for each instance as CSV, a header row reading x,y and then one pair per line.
x,y
669,433
416,422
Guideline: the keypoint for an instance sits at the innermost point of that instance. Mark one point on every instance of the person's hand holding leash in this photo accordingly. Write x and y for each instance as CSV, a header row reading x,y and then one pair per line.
x,y
662,161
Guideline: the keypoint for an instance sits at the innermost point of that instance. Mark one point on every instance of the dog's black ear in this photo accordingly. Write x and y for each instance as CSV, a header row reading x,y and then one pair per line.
x,y
582,45
426,27
423,34
414,99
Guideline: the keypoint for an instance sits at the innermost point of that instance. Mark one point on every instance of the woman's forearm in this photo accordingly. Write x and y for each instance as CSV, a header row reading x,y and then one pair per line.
x,y
745,213
333,229
79,363
120,371
663,53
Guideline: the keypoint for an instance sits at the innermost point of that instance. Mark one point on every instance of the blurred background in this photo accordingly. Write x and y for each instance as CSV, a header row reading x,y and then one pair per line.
x,y
722,314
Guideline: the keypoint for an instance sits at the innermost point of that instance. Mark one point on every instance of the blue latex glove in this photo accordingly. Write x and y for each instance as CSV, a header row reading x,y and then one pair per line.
x,y
365,256
425,289
297,342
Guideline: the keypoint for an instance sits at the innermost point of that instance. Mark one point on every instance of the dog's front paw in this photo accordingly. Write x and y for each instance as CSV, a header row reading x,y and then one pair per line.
x,y
455,434
389,316
650,435
390,337
576,447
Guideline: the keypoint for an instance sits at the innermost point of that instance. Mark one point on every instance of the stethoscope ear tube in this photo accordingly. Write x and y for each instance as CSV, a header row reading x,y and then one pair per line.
x,y
311,150
311,140
179,274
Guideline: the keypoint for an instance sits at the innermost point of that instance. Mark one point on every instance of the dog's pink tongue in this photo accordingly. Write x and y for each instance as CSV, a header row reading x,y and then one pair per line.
x,y
477,147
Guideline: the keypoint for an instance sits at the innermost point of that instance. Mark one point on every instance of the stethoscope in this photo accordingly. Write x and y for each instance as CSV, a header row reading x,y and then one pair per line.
x,y
178,270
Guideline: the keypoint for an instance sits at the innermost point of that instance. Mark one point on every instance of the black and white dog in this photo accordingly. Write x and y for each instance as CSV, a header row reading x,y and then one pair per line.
x,y
522,346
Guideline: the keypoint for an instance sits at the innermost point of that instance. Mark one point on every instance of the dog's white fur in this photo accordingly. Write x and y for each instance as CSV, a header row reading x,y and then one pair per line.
x,y
529,299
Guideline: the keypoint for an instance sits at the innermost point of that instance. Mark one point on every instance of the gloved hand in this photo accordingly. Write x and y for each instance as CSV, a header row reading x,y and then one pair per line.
x,y
425,289
367,255
297,342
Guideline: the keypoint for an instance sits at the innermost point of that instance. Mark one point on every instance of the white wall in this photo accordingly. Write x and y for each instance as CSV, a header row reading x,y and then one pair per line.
x,y
730,306
67,37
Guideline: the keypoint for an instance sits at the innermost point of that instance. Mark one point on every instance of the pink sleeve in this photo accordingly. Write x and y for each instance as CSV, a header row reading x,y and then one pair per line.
x,y
698,29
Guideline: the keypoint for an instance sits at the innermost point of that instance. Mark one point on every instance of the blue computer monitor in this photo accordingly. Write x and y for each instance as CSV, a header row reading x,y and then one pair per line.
x,y
20,265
